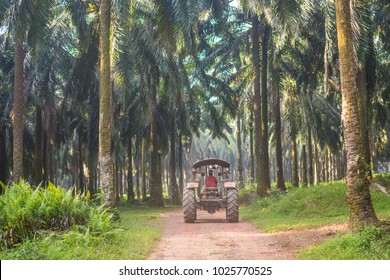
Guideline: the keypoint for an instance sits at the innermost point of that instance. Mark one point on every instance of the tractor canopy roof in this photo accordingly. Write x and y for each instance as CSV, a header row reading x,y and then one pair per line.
x,y
211,161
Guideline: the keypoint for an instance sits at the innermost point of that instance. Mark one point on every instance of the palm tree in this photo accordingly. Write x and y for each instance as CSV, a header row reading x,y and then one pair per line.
x,y
283,16
292,120
278,127
265,177
239,148
51,71
261,189
18,112
143,168
28,20
105,165
361,209
381,98
6,67
251,149
173,180
156,198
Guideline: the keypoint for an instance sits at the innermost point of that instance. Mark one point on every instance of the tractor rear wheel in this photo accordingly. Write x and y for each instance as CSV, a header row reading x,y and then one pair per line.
x,y
232,206
189,205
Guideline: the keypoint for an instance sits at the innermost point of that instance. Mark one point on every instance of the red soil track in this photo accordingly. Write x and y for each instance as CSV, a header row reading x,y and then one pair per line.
x,y
212,238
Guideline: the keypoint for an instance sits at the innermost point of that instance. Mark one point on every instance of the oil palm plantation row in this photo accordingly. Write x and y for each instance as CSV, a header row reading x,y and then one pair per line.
x,y
68,132
305,69
123,96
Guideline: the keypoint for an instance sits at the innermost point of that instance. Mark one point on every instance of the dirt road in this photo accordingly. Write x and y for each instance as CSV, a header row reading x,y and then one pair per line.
x,y
212,238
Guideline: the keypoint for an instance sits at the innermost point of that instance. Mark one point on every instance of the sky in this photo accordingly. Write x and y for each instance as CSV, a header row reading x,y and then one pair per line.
x,y
235,3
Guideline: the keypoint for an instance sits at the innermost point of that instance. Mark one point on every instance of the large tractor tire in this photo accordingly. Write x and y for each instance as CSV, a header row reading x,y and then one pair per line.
x,y
232,205
189,205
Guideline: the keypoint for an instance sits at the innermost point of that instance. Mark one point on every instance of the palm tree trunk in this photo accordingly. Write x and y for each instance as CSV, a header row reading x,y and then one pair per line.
x,y
166,176
326,165
361,81
316,164
105,161
251,153
359,199
278,138
18,110
287,169
374,152
304,166
92,145
294,164
264,175
239,151
143,167
45,159
52,164
115,169
173,179
38,145
80,161
3,156
333,165
121,185
261,188
155,175
181,171
91,173
137,163
344,169
339,166
159,179
310,157
130,187
137,180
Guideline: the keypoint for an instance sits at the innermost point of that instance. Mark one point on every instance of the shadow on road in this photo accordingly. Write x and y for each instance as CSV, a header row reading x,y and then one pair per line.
x,y
207,221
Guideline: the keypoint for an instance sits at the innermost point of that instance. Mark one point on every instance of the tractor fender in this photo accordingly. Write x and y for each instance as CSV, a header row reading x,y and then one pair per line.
x,y
229,185
193,185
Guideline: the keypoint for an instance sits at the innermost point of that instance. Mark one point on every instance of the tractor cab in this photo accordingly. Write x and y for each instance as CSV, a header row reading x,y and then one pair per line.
x,y
211,174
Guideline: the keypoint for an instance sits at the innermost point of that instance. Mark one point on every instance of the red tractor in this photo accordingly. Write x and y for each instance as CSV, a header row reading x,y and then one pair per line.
x,y
211,190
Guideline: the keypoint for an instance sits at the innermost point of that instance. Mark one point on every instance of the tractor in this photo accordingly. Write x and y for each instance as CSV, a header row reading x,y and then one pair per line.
x,y
211,190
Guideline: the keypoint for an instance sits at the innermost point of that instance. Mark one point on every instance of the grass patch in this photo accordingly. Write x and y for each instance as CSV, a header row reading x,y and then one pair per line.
x,y
322,204
371,243
302,207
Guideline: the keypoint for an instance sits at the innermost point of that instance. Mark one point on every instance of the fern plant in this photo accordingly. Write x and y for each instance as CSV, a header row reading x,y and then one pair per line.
x,y
26,213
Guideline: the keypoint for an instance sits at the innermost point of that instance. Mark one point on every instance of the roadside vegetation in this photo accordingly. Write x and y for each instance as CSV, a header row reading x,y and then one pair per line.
x,y
298,208
53,224
370,243
323,204
304,207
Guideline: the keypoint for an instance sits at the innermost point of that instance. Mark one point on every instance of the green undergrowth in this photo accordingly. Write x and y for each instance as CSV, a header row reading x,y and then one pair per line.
x,y
133,237
51,224
371,243
304,207
323,204
27,212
